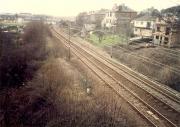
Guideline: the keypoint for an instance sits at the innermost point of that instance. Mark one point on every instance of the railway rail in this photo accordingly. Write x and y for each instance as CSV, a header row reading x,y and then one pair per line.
x,y
150,60
171,52
129,86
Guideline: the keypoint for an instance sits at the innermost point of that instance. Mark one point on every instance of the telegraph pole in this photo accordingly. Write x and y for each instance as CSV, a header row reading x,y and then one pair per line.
x,y
113,39
111,51
69,52
128,32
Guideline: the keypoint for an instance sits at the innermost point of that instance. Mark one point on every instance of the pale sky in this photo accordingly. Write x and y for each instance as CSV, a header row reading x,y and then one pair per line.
x,y
73,7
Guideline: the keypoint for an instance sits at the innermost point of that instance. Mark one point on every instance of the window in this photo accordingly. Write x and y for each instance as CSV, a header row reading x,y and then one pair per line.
x,y
148,24
166,39
110,14
158,29
157,37
167,31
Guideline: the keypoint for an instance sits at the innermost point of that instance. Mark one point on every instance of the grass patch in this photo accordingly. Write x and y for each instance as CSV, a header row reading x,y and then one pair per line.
x,y
108,39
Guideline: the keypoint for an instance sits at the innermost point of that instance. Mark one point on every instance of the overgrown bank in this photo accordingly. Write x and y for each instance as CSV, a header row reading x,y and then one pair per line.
x,y
52,90
154,62
21,55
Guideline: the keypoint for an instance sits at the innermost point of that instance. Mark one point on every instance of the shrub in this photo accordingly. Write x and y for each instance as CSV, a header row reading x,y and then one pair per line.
x,y
170,78
19,61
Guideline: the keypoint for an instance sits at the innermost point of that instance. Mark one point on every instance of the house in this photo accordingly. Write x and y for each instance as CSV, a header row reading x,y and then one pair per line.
x,y
120,16
144,26
24,17
167,31
110,20
20,20
96,17
8,18
92,17
87,28
89,21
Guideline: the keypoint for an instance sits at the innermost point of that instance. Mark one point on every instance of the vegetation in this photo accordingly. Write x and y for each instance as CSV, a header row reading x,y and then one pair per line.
x,y
173,10
20,58
107,39
80,20
74,107
150,12
131,55
54,92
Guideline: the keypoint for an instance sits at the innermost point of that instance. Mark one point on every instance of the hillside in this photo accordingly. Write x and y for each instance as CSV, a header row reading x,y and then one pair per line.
x,y
174,10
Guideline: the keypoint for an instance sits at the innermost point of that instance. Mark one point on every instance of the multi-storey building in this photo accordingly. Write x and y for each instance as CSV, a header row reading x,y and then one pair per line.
x,y
167,32
119,16
92,17
144,26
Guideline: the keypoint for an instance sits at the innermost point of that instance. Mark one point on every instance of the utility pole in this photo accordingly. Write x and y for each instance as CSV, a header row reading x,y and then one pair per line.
x,y
111,51
69,52
113,40
127,34
128,30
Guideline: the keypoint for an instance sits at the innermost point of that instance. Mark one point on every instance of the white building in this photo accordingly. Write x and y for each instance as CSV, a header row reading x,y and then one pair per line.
x,y
167,32
110,20
144,26
20,20
118,16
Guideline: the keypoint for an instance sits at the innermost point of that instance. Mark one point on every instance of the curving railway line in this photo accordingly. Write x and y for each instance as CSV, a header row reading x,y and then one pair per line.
x,y
163,111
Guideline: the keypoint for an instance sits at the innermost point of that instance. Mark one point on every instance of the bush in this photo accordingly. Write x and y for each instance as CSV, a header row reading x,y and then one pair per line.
x,y
170,78
18,60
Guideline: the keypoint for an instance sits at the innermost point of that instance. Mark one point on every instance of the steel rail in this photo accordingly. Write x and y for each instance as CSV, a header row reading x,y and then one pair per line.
x,y
152,84
136,96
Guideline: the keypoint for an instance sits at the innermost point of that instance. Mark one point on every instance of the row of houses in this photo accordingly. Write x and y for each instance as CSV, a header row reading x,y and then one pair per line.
x,y
164,30
25,17
107,19
118,16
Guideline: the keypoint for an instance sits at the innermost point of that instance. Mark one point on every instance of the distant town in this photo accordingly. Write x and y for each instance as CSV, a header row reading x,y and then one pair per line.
x,y
102,68
163,27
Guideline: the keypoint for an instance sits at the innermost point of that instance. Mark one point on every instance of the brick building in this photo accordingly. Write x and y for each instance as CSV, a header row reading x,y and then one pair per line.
x,y
120,16
144,26
167,32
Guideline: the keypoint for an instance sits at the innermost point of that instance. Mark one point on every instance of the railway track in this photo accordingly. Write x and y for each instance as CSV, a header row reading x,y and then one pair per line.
x,y
152,61
155,111
171,52
166,91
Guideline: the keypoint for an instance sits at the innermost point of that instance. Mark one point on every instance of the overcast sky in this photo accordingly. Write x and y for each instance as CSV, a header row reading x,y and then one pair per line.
x,y
73,7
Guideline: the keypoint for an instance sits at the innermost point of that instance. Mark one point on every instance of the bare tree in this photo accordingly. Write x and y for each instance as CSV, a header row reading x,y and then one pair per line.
x,y
100,35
